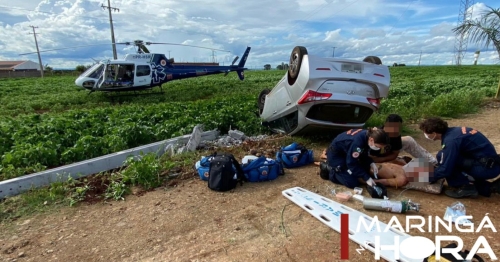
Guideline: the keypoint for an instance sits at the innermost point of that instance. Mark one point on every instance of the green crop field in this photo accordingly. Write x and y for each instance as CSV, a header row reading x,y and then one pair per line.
x,y
49,122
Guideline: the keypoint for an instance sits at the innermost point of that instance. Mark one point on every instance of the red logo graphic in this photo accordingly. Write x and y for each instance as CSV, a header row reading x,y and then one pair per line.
x,y
344,236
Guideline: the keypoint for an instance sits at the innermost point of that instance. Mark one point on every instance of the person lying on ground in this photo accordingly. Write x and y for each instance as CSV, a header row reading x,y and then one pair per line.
x,y
348,162
465,155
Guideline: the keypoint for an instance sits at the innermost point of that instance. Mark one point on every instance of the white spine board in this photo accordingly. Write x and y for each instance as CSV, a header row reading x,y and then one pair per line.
x,y
329,211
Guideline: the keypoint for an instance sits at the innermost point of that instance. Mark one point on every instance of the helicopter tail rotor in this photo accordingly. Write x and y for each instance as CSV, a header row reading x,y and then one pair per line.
x,y
235,59
232,64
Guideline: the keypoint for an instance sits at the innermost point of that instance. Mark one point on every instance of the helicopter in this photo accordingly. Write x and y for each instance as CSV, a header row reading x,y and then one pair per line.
x,y
145,70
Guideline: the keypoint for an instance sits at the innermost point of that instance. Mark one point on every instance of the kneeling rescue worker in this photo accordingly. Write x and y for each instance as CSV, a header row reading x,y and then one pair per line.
x,y
347,156
465,152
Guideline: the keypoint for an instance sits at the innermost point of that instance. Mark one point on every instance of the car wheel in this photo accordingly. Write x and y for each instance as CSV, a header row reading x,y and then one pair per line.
x,y
373,59
295,61
262,99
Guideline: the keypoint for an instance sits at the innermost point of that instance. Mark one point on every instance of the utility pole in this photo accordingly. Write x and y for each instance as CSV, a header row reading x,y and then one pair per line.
x,y
168,54
420,58
37,50
464,14
333,55
111,24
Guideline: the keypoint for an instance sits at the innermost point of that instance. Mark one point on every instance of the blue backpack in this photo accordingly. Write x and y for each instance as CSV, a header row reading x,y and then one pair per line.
x,y
262,169
203,167
295,155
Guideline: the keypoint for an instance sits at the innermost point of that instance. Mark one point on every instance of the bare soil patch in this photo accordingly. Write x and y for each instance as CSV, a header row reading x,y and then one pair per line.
x,y
187,222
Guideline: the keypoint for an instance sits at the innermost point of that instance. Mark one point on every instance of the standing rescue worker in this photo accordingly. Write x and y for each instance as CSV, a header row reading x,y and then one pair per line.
x,y
464,152
348,157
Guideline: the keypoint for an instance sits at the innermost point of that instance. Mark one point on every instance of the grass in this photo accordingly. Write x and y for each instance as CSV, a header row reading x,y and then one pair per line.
x,y
416,92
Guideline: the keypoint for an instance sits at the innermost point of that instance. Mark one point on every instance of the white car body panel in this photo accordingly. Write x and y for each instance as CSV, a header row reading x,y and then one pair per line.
x,y
350,82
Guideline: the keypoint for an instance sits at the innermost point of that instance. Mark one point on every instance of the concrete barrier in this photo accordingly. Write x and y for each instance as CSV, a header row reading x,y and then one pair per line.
x,y
92,166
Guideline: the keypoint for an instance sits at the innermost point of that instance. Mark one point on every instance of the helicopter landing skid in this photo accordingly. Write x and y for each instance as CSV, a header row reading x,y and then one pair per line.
x,y
118,94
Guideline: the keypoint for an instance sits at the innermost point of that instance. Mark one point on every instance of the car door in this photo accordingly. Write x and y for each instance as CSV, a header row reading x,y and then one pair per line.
x,y
278,102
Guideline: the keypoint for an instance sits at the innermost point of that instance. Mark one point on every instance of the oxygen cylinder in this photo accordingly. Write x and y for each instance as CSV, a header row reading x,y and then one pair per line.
x,y
389,205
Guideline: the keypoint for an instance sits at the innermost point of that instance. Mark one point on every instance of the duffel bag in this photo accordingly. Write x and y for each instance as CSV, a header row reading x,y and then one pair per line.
x,y
262,169
295,155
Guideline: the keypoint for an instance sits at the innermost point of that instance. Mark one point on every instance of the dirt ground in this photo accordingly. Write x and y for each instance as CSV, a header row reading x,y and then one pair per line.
x,y
191,223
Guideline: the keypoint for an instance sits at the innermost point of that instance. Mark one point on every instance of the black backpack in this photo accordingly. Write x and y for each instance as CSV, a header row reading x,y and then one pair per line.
x,y
222,169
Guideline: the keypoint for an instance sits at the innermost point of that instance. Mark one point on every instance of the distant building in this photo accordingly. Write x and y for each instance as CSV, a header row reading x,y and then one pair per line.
x,y
19,66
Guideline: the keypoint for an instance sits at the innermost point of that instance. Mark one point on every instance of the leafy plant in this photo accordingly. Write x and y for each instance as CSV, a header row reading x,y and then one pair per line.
x,y
144,171
117,190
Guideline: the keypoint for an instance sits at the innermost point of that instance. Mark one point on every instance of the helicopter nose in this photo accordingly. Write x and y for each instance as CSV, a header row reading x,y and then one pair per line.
x,y
79,81
85,82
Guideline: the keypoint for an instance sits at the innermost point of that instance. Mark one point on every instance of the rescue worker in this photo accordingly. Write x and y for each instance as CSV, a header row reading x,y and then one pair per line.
x,y
348,160
393,126
465,152
128,76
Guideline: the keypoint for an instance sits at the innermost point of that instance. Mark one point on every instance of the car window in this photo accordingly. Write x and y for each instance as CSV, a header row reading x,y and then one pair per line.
x,y
285,124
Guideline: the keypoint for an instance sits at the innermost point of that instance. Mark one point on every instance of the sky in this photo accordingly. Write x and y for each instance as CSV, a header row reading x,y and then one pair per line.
x,y
398,31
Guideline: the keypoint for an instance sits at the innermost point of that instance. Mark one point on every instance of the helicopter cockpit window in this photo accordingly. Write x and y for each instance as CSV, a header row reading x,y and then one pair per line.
x,y
90,69
97,72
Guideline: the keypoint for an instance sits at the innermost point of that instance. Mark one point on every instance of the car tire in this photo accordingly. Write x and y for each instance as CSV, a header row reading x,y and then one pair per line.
x,y
295,62
373,59
262,99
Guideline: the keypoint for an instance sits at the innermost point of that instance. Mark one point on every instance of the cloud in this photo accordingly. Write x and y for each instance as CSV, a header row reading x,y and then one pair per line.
x,y
394,30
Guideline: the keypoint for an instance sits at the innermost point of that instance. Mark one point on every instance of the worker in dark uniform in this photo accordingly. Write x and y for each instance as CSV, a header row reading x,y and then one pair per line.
x,y
348,157
465,152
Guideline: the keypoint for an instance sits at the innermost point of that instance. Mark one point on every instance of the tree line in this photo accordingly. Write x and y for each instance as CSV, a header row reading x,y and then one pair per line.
x,y
282,66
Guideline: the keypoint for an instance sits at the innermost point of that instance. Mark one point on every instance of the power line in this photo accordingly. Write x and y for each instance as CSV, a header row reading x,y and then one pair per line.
x,y
109,7
401,16
37,50
309,15
51,13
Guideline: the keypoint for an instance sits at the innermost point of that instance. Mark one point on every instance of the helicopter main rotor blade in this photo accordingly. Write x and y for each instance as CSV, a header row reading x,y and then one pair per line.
x,y
65,48
139,43
150,43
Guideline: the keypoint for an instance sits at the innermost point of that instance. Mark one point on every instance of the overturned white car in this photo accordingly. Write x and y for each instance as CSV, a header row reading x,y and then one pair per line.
x,y
319,93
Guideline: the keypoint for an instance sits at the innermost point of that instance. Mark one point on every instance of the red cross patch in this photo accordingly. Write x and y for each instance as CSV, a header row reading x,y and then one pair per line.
x,y
355,154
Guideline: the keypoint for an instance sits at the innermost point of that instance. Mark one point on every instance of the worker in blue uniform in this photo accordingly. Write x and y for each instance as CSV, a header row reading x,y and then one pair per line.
x,y
348,157
467,159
